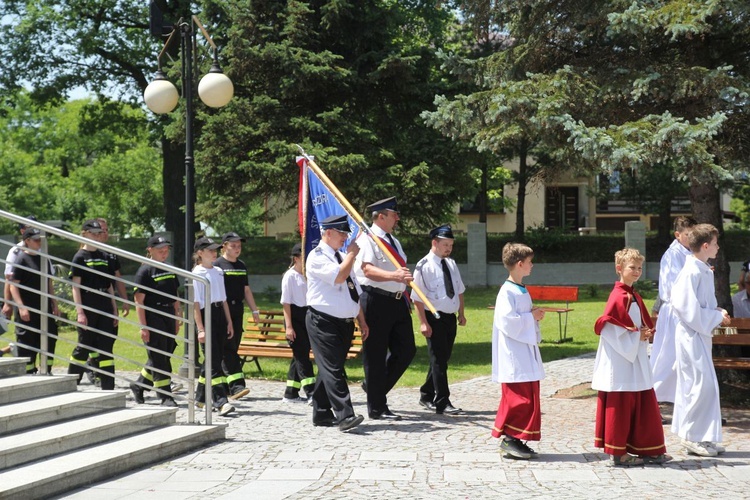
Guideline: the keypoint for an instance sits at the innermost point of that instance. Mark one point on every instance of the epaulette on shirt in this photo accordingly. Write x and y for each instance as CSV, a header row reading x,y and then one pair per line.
x,y
318,250
420,264
16,250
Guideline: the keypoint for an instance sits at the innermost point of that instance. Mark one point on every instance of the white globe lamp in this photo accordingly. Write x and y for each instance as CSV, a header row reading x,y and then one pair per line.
x,y
215,89
161,95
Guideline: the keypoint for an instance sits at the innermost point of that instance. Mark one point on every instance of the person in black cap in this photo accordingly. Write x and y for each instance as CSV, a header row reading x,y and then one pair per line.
x,y
26,292
333,303
96,309
438,277
294,303
156,302
13,254
390,348
238,293
221,324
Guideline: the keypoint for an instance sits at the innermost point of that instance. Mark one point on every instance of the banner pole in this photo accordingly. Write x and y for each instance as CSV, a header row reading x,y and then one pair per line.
x,y
363,226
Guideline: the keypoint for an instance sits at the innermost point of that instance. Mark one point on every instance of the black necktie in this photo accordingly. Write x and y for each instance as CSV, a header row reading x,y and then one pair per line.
x,y
390,240
447,279
349,283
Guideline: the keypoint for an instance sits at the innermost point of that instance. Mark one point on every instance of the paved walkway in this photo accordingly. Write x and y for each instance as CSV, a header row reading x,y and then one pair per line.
x,y
272,451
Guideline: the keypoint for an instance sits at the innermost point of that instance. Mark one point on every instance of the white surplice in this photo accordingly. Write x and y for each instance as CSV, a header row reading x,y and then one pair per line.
x,y
697,412
515,337
622,358
663,358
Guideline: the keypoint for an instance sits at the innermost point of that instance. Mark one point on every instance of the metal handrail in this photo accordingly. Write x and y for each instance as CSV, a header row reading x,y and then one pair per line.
x,y
45,294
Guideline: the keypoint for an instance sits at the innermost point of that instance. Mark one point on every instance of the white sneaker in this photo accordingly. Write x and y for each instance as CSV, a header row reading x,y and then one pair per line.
x,y
225,409
703,449
718,447
298,399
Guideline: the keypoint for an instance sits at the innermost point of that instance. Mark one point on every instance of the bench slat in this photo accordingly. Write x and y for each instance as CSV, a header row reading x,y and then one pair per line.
x,y
553,292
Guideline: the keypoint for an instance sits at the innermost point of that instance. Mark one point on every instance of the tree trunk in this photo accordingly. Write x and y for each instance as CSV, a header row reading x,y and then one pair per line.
x,y
705,201
173,179
483,196
522,181
664,227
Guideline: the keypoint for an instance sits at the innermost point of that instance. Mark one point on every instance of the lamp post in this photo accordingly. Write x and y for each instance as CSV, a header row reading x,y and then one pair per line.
x,y
215,90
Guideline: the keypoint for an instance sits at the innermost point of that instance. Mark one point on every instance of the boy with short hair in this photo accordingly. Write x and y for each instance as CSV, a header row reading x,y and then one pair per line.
x,y
628,424
516,360
663,349
697,412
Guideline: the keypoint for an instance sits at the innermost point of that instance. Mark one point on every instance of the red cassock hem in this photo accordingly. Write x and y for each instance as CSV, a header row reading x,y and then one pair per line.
x,y
629,422
519,414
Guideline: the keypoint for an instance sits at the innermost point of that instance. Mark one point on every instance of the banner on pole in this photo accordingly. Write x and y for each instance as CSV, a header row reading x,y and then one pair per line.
x,y
316,202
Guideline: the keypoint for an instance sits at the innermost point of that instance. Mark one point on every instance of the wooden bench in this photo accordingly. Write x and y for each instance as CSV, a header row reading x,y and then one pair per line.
x,y
267,339
740,339
556,293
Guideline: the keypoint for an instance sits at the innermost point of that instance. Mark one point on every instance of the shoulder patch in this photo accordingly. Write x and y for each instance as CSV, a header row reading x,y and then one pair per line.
x,y
16,250
318,250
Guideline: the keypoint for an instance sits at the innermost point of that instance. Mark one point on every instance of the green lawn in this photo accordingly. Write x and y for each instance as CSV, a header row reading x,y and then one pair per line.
x,y
471,358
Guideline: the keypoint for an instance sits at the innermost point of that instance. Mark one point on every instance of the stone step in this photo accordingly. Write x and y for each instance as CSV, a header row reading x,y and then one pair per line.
x,y
34,444
25,387
15,417
65,472
12,367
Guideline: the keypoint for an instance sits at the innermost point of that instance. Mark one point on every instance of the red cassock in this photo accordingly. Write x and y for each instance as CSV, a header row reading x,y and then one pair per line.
x,y
519,414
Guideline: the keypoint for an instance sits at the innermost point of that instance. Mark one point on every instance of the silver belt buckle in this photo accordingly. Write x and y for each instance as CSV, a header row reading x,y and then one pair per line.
x,y
399,295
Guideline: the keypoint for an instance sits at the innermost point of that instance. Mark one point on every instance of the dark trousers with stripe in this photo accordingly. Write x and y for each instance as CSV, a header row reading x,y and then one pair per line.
x,y
219,388
89,339
163,362
300,374
29,339
390,347
440,348
231,362
330,339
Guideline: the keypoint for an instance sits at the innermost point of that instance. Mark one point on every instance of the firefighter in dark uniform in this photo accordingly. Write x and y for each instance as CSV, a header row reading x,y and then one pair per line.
x,y
96,309
238,293
27,273
390,348
157,290
333,303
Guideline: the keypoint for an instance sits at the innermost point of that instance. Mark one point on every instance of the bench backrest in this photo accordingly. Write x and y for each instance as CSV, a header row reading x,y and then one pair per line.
x,y
553,293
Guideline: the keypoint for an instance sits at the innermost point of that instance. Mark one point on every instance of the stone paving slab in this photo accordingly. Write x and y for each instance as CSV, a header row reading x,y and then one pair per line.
x,y
273,452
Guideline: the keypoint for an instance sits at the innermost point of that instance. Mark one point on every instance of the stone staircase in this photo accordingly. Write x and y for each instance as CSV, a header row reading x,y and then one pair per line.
x,y
54,438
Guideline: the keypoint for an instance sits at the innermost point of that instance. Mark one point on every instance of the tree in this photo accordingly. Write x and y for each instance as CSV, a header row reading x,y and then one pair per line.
x,y
102,46
649,84
347,80
78,160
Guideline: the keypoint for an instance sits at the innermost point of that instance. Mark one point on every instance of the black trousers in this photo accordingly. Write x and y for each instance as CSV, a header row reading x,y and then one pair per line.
x,y
390,347
88,339
157,360
439,347
330,338
219,388
232,363
300,374
29,339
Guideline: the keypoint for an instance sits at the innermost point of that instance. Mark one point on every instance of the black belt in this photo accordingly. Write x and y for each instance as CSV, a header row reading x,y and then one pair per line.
x,y
332,318
380,291
161,304
441,313
234,302
217,304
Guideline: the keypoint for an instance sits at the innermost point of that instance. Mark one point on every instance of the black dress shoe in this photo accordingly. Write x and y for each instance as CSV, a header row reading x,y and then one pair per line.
x,y
137,391
427,405
324,422
350,423
449,410
384,415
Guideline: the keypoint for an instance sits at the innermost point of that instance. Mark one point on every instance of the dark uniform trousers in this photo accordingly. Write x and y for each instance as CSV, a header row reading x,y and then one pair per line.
x,y
300,374
29,339
219,388
88,338
439,347
389,348
330,338
232,363
162,323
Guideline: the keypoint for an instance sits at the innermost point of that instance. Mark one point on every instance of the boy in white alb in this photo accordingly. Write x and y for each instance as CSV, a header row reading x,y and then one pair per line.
x,y
697,413
663,349
628,424
516,360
